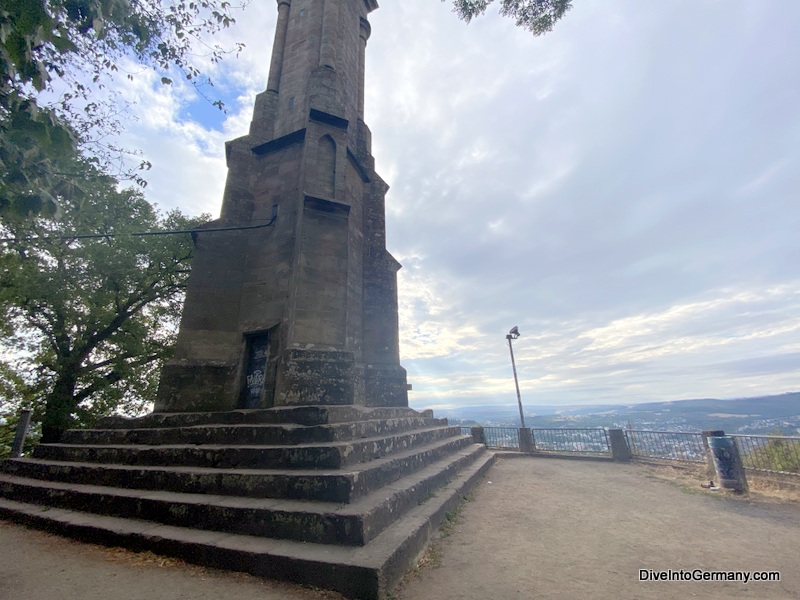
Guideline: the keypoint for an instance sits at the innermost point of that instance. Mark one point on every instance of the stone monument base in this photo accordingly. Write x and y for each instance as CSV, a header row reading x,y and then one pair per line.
x,y
300,378
339,497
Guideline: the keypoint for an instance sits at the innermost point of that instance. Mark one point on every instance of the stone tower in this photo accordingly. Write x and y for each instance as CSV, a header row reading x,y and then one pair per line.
x,y
296,302
291,310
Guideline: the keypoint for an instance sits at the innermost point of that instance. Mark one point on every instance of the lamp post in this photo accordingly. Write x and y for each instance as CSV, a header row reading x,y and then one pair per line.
x,y
512,335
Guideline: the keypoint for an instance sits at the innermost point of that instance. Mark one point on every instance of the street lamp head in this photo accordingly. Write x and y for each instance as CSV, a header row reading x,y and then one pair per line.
x,y
514,333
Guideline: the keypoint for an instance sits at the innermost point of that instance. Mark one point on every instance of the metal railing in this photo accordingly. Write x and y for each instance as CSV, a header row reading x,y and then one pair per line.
x,y
764,453
505,438
769,453
666,445
583,441
568,440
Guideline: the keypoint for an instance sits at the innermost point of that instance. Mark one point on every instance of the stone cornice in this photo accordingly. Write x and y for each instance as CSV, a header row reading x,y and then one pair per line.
x,y
295,137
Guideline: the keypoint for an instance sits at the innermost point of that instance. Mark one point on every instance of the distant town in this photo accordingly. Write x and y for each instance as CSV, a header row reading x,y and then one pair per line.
x,y
761,415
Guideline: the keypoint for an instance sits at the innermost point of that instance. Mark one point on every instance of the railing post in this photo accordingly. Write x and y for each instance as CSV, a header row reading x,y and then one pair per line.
x,y
728,463
478,435
711,470
619,445
525,440
22,431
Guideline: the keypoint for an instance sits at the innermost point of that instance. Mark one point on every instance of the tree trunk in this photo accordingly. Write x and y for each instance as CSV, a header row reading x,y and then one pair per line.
x,y
59,407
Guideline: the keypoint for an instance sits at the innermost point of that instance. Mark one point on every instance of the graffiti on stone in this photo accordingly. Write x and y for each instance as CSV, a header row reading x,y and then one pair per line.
x,y
256,370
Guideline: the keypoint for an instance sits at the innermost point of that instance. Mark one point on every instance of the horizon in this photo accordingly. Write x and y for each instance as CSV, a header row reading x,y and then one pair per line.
x,y
514,406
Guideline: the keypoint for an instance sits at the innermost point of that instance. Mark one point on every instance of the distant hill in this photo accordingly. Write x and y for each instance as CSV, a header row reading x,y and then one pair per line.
x,y
758,415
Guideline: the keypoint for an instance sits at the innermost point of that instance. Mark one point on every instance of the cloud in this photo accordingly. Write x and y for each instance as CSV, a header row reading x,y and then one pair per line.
x,y
624,189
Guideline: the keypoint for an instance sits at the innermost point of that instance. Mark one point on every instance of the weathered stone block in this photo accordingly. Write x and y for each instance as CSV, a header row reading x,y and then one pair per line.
x,y
315,377
385,385
190,387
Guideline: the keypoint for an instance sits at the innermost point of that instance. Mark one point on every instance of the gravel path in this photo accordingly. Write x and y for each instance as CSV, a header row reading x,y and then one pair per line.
x,y
535,529
549,528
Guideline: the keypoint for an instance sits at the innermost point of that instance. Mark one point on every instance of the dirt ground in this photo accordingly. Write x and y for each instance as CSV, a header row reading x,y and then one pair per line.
x,y
535,529
551,528
37,565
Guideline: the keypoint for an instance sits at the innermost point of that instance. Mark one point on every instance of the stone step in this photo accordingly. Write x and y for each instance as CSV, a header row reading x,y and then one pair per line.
x,y
367,572
341,487
335,455
299,415
246,434
314,522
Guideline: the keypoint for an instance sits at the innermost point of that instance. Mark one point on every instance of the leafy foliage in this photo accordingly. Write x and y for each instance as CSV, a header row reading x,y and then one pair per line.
x,y
778,454
42,38
77,43
537,16
32,142
87,321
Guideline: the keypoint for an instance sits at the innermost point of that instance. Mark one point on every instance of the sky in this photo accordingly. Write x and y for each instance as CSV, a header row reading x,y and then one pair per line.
x,y
623,189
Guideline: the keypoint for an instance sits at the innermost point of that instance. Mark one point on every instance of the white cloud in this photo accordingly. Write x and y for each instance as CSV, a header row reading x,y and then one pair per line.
x,y
623,189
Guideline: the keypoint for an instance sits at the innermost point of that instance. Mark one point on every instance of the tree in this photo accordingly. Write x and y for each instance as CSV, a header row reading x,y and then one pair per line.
x,y
78,43
537,16
86,321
